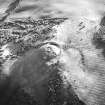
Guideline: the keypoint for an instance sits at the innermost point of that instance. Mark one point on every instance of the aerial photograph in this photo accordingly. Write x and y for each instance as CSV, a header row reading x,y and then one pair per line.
x,y
52,52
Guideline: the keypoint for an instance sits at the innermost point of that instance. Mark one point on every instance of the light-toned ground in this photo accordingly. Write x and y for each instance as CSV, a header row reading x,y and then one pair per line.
x,y
92,9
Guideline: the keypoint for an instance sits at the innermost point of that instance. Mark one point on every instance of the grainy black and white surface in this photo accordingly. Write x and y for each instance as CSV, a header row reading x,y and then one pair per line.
x,y
52,52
